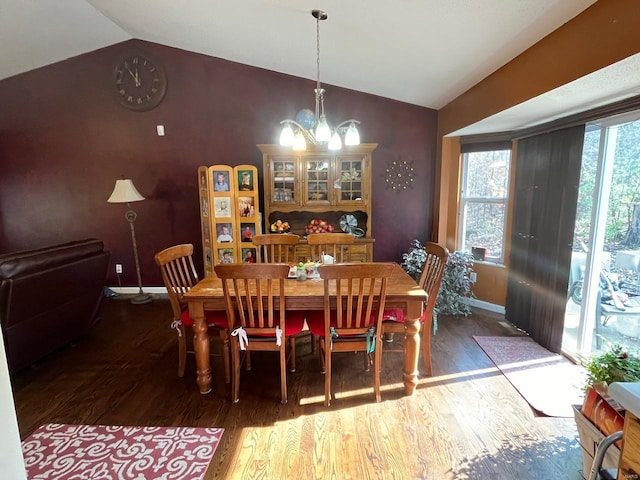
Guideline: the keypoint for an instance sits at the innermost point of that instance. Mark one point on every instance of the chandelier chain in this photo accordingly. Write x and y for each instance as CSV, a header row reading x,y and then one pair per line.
x,y
318,51
318,130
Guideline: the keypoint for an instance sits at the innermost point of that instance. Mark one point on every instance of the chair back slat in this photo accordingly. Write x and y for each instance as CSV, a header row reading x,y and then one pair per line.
x,y
359,292
432,273
337,245
254,294
178,273
275,248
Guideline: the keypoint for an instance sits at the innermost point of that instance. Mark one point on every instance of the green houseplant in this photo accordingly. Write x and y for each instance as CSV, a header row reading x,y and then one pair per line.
x,y
455,293
615,364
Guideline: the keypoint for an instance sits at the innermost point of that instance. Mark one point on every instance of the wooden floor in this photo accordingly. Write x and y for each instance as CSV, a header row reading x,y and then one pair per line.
x,y
465,422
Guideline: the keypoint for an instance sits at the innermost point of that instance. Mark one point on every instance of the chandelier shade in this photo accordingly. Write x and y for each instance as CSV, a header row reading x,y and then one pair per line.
x,y
316,128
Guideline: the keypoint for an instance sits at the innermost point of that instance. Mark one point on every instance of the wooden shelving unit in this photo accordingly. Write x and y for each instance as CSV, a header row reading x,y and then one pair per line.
x,y
319,184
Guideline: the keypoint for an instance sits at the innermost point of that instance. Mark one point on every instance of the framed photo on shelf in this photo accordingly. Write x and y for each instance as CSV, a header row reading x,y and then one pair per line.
x,y
245,180
220,181
225,255
224,233
222,207
249,255
246,207
248,231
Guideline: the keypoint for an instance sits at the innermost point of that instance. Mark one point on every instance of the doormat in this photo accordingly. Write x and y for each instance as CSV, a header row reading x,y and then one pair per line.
x,y
114,452
550,383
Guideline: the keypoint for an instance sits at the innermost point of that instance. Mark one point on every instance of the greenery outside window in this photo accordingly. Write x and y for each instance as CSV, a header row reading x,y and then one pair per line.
x,y
483,203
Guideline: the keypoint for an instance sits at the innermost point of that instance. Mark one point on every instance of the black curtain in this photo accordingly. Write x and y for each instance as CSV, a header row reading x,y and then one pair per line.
x,y
546,194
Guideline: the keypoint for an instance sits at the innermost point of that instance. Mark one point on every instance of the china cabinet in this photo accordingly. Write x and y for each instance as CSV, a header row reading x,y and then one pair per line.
x,y
316,184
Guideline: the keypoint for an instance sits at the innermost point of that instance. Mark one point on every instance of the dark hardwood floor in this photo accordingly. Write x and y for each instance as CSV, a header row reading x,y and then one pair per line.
x,y
465,422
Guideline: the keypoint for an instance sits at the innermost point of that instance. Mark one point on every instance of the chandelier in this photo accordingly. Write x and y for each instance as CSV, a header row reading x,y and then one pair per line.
x,y
315,128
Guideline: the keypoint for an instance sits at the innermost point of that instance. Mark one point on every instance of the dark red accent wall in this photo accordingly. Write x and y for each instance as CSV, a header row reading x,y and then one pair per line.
x,y
65,139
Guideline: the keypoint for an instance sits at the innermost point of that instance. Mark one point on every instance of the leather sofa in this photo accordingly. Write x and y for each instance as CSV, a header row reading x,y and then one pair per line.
x,y
49,297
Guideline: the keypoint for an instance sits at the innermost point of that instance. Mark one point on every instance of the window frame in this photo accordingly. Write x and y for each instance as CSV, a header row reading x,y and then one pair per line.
x,y
464,200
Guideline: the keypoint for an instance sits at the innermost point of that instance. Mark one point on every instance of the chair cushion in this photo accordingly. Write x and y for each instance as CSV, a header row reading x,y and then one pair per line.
x,y
214,319
393,315
294,323
315,321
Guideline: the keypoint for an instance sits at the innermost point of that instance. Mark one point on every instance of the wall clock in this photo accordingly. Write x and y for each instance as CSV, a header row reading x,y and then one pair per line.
x,y
141,83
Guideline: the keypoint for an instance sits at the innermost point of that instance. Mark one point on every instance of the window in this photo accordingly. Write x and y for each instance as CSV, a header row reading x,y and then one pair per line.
x,y
483,203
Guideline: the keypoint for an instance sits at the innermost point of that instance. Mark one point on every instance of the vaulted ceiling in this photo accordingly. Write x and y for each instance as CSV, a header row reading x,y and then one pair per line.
x,y
424,52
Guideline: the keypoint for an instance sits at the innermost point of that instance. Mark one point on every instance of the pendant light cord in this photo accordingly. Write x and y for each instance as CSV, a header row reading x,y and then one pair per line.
x,y
319,91
318,52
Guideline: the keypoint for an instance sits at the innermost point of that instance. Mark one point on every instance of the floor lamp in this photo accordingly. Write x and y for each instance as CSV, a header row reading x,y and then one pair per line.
x,y
126,192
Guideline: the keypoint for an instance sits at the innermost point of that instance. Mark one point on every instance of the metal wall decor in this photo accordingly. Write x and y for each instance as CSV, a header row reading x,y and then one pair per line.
x,y
399,174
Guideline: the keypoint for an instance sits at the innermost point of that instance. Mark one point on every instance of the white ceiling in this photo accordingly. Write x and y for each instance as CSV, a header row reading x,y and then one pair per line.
x,y
424,52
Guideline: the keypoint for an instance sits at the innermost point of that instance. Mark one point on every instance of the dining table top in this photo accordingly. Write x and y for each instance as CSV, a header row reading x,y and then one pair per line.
x,y
309,294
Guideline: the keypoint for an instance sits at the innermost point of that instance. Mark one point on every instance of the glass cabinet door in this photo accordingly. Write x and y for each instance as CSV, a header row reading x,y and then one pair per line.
x,y
317,172
284,185
350,178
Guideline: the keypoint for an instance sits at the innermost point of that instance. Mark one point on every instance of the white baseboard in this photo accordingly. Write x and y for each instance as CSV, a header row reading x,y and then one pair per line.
x,y
487,306
135,290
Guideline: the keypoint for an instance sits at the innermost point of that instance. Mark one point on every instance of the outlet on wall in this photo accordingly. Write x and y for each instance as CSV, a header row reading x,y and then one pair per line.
x,y
473,276
118,268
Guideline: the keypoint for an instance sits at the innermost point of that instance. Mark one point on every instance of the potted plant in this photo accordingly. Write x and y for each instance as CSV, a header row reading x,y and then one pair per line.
x,y
616,364
455,293
599,415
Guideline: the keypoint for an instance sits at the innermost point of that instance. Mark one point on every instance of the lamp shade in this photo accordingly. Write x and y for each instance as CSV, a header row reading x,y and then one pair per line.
x,y
124,192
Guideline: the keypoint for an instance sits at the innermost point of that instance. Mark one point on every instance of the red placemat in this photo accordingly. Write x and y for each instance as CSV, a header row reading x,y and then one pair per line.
x,y
59,451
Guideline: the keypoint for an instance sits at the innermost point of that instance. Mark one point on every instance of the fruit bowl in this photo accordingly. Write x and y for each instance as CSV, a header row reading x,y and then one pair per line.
x,y
318,226
279,227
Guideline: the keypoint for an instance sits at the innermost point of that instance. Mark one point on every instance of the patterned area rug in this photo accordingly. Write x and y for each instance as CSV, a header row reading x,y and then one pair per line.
x,y
550,383
56,451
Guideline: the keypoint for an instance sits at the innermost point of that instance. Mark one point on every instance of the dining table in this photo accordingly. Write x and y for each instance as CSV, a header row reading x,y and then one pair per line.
x,y
402,292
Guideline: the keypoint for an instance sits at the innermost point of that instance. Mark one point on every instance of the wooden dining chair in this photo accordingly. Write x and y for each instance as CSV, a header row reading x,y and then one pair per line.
x,y
430,280
255,303
354,300
280,248
179,276
337,245
276,247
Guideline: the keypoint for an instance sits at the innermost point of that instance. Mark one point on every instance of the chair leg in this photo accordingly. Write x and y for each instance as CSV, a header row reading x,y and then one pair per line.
x,y
236,366
327,375
292,353
427,327
283,373
227,356
377,365
182,351
321,345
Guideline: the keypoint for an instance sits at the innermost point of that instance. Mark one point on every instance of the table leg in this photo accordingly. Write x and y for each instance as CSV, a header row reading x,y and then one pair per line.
x,y
201,346
411,347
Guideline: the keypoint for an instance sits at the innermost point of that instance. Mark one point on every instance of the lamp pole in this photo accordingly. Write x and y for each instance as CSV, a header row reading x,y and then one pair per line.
x,y
141,297
126,192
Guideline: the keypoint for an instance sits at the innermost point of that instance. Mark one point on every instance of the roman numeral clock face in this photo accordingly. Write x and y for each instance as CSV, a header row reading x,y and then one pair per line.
x,y
140,82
